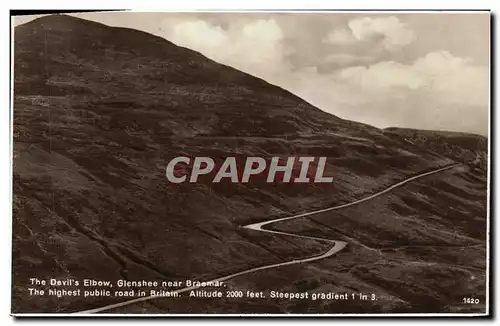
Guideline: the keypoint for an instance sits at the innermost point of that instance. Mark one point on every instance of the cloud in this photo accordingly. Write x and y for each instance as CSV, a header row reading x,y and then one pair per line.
x,y
199,34
255,47
340,36
393,31
382,75
435,91
390,32
339,60
448,78
363,80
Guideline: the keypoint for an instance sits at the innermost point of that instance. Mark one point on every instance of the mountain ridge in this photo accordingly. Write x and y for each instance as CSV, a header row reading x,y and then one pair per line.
x,y
149,46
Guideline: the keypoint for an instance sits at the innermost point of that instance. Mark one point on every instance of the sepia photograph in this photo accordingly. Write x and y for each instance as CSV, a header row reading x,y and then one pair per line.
x,y
251,163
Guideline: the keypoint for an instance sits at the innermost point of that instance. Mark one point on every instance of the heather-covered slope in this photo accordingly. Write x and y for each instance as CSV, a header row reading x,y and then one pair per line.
x,y
98,113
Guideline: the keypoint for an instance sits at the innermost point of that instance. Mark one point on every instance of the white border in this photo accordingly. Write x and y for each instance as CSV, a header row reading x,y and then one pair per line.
x,y
263,315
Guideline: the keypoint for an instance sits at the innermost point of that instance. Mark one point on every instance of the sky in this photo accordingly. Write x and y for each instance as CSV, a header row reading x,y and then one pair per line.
x,y
415,70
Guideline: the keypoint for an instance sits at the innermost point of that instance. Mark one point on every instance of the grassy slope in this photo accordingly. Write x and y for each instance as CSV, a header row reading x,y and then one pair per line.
x,y
99,111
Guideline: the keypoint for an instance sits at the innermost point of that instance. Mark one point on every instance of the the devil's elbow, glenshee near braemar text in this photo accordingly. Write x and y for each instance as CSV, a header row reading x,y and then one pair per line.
x,y
251,163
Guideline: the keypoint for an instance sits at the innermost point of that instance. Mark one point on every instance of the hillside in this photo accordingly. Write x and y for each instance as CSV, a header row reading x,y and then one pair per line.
x,y
98,113
461,147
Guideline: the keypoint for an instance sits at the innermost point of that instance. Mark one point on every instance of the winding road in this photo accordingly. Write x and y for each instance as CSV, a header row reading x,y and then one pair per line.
x,y
336,244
